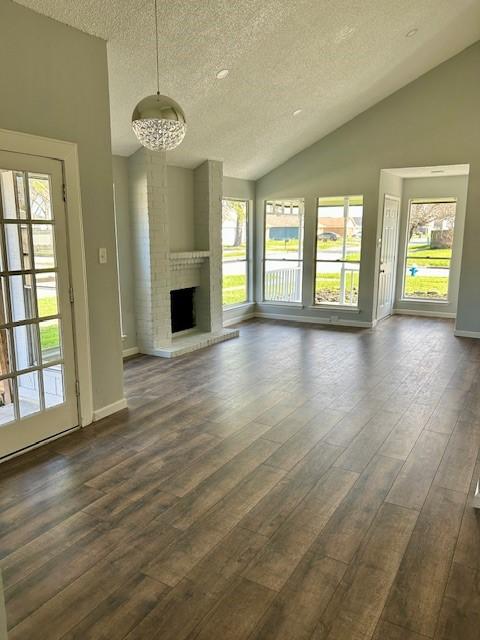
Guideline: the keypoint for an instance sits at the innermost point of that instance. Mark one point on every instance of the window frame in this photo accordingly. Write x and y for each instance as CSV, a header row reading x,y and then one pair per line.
x,y
403,296
337,305
247,258
301,244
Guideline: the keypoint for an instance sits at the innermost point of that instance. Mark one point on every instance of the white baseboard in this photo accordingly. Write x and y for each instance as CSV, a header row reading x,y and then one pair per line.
x,y
131,351
240,318
466,334
98,414
425,314
315,320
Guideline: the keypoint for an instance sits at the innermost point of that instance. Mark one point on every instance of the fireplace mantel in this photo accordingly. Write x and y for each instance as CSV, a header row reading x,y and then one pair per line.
x,y
182,259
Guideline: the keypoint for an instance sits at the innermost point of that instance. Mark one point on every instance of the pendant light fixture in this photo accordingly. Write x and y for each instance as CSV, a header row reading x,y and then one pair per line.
x,y
158,121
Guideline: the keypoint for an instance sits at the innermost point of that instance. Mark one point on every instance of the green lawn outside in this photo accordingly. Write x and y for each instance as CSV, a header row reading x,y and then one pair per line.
x,y
272,246
47,306
230,253
322,245
49,337
429,287
282,246
234,289
337,244
327,287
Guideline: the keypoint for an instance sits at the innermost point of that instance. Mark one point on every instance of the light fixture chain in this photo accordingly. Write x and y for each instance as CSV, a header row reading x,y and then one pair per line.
x,y
158,121
156,41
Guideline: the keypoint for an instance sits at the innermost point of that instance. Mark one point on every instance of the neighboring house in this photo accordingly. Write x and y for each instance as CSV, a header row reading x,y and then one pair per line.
x,y
283,233
283,226
337,225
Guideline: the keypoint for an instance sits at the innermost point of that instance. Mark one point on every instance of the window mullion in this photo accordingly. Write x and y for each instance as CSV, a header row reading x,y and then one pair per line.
x,y
344,247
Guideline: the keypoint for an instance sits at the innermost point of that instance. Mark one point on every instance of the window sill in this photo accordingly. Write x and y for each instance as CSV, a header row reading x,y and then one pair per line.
x,y
423,301
335,307
240,305
279,303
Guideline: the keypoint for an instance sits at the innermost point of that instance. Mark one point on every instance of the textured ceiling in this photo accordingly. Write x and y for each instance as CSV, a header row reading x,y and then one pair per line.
x,y
331,58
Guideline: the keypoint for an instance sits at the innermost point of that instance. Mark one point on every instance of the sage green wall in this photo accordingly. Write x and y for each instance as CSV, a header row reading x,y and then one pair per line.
x,y
432,121
54,84
436,187
237,188
125,252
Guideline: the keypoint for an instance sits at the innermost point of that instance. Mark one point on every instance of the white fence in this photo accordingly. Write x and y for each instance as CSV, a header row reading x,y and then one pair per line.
x,y
284,285
348,291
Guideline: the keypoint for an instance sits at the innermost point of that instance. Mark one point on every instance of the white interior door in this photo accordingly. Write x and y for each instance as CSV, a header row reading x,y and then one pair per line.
x,y
37,365
388,256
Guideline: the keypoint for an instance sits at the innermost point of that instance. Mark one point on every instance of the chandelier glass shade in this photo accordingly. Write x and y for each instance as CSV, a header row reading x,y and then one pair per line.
x,y
158,121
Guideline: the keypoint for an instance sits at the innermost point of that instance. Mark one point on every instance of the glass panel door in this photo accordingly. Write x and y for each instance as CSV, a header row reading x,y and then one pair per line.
x,y
37,368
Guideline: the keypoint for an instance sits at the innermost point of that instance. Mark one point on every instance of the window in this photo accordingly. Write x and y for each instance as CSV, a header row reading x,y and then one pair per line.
x,y
339,243
429,250
235,252
283,250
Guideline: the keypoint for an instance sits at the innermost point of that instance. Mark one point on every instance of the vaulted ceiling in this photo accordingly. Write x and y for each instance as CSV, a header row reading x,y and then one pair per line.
x,y
332,59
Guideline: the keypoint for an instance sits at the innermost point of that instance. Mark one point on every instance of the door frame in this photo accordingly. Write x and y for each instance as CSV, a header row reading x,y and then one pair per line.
x,y
67,154
399,201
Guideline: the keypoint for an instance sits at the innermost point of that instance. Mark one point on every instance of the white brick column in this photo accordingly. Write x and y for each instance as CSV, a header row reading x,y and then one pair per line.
x,y
208,188
149,211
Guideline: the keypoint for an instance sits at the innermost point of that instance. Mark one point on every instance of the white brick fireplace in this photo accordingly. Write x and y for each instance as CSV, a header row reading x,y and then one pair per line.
x,y
158,270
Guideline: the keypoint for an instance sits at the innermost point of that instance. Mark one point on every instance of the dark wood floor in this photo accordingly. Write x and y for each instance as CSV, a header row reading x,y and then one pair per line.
x,y
297,483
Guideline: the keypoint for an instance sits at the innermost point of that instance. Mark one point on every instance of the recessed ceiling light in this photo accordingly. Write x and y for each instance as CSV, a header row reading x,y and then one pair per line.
x,y
411,33
222,74
297,112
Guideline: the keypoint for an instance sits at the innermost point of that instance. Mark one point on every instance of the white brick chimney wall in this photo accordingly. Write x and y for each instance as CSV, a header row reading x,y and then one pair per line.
x,y
208,186
157,271
148,206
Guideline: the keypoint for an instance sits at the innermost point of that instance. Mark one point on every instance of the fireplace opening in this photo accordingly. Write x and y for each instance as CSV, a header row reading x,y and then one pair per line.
x,y
182,305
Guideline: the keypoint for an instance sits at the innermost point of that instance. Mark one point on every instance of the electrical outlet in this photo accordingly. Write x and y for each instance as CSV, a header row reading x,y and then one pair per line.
x,y
102,255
